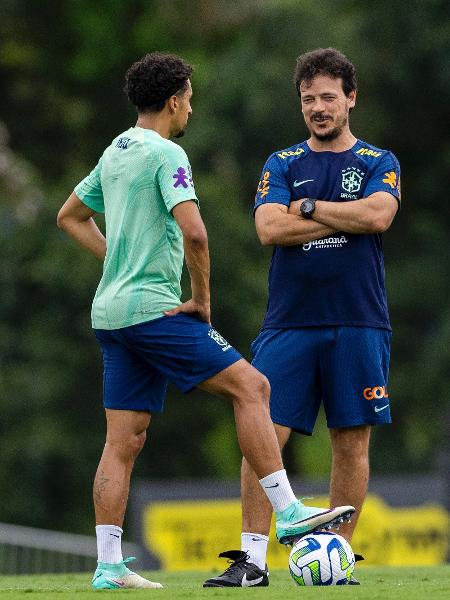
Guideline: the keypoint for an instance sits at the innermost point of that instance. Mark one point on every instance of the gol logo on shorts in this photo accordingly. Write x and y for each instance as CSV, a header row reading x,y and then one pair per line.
x,y
375,393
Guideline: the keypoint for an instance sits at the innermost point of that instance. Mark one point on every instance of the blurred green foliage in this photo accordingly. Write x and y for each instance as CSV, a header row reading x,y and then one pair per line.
x,y
62,64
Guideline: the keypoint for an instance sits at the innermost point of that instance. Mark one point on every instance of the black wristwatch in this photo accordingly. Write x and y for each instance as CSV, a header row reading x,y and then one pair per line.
x,y
307,208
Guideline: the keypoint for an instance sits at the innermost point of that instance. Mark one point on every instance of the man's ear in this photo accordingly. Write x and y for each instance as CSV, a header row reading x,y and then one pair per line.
x,y
352,98
172,104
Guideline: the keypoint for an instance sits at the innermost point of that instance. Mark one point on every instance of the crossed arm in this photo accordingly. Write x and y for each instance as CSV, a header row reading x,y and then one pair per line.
x,y
279,225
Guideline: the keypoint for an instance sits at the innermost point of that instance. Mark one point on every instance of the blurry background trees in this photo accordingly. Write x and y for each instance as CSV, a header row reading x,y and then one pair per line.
x,y
62,64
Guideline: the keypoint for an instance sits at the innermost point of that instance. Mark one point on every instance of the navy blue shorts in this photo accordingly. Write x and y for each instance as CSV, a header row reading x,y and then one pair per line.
x,y
346,368
140,360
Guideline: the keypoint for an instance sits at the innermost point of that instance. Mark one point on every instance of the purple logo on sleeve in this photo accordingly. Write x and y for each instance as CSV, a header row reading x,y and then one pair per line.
x,y
181,178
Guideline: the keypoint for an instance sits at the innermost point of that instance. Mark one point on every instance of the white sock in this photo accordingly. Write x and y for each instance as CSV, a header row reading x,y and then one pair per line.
x,y
278,490
109,543
255,544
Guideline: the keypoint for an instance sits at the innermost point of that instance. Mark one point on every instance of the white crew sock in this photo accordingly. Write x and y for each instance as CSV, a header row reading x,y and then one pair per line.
x,y
278,490
255,544
109,543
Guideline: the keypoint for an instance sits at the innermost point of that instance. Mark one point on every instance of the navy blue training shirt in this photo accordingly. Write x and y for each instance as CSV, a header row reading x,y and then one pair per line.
x,y
336,280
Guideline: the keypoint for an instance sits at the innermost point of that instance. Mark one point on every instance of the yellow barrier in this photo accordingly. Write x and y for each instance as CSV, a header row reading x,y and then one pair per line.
x,y
188,535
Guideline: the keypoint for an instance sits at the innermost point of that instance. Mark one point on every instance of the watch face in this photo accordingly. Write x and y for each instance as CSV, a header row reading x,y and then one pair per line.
x,y
307,207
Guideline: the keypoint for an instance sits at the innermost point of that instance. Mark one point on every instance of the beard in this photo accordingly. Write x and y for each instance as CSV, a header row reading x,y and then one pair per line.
x,y
179,134
329,136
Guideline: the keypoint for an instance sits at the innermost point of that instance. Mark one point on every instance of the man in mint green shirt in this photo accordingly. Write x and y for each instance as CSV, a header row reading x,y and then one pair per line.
x,y
139,179
143,183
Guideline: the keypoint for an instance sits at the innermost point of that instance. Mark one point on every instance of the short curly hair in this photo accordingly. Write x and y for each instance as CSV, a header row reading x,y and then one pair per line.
x,y
325,61
149,82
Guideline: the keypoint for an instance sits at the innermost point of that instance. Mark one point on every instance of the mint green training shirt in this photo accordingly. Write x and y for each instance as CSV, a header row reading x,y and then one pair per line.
x,y
136,183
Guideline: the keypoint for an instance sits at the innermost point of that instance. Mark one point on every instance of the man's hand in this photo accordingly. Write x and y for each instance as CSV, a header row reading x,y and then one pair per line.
x,y
202,312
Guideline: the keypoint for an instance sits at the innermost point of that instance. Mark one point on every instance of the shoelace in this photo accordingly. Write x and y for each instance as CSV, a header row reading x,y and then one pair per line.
x,y
235,565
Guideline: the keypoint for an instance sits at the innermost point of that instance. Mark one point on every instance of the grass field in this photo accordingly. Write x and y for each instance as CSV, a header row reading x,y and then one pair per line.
x,y
376,583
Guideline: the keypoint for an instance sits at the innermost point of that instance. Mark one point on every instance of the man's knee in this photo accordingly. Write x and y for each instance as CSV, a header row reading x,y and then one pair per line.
x,y
263,387
129,444
137,442
254,387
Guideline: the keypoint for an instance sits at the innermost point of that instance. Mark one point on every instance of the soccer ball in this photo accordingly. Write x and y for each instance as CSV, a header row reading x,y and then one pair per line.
x,y
321,558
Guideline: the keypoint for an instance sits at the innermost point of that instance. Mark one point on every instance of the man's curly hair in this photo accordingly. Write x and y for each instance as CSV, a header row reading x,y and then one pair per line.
x,y
325,61
149,82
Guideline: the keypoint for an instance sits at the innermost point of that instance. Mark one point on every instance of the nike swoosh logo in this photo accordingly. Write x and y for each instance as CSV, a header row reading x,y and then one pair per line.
x,y
271,486
117,582
297,183
249,583
377,409
114,535
317,515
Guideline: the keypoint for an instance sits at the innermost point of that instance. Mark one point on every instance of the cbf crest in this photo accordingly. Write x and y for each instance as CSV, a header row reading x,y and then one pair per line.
x,y
351,179
222,342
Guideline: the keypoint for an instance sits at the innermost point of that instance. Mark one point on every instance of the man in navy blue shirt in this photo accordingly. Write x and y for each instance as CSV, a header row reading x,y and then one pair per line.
x,y
323,205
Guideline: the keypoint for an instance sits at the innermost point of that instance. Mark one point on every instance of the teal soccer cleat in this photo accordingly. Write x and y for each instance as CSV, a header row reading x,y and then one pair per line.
x,y
297,520
110,576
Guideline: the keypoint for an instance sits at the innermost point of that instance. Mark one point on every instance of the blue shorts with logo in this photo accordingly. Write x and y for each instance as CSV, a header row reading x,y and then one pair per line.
x,y
140,360
345,368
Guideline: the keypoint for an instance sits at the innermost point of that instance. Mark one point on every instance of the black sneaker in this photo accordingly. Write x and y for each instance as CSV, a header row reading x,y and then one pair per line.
x,y
240,573
353,580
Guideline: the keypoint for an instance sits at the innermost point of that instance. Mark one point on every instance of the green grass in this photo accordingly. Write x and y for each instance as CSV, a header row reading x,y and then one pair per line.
x,y
376,583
